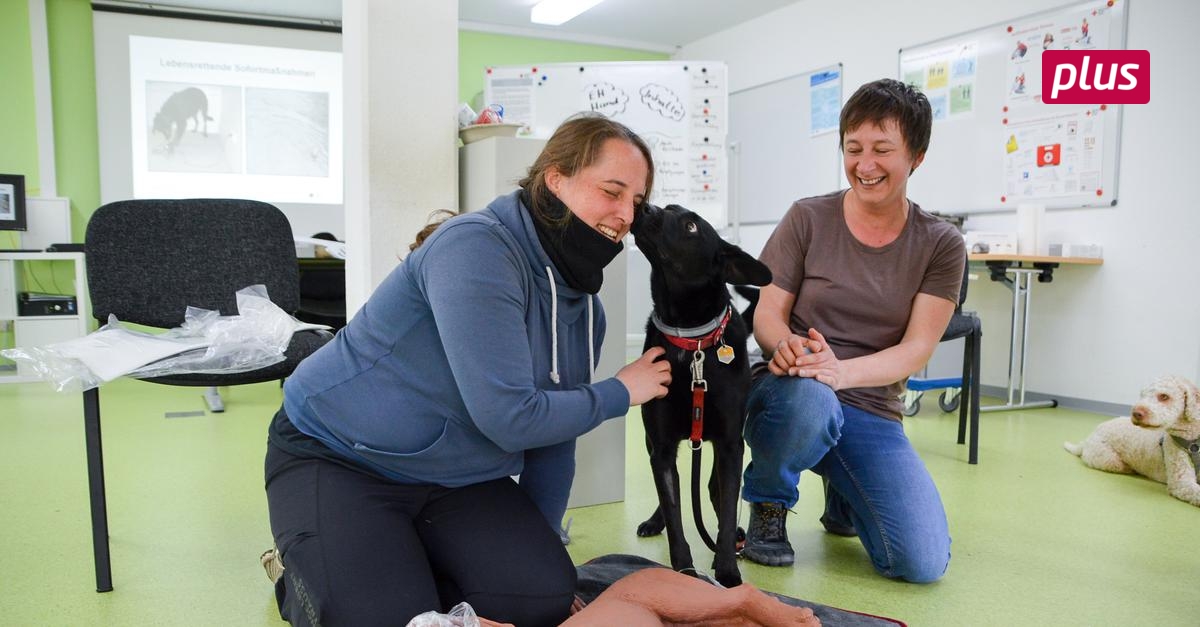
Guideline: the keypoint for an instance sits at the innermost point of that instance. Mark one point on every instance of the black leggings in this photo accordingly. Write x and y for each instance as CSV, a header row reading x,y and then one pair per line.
x,y
360,550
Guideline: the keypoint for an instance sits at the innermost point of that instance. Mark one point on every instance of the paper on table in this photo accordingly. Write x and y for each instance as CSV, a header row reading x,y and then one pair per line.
x,y
113,352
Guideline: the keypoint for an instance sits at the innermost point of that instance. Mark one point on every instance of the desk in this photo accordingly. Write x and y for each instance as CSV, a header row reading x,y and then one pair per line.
x,y
1021,285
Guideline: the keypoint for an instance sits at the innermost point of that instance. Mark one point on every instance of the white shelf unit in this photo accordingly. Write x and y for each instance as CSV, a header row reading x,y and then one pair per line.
x,y
491,167
40,330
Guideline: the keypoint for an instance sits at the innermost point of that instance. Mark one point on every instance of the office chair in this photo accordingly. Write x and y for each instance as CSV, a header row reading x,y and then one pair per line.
x,y
148,260
963,324
966,324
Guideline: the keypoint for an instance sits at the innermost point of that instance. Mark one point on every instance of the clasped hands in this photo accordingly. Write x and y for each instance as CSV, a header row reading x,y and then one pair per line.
x,y
811,357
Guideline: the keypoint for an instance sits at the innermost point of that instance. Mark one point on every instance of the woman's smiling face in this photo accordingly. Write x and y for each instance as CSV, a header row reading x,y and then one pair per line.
x,y
878,163
605,194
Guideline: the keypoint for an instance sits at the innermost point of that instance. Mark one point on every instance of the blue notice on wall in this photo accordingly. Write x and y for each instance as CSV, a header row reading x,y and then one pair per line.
x,y
825,91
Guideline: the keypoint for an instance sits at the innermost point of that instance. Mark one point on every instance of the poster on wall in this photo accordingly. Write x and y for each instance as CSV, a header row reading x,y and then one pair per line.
x,y
1051,156
678,107
825,96
946,76
1081,28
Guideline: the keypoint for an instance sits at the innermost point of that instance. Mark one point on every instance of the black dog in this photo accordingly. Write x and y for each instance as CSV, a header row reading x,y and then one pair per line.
x,y
705,340
172,119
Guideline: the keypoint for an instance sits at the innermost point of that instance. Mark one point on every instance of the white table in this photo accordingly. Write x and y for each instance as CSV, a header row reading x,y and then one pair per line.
x,y
1023,269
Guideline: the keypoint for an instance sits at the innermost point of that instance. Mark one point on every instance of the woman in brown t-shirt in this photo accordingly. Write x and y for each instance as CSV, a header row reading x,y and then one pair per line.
x,y
864,285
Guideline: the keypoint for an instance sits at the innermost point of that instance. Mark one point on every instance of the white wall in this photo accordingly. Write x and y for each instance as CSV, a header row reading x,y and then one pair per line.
x,y
1098,333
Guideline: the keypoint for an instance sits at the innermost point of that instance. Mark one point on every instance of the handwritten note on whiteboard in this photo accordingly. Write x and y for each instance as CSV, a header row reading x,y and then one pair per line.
x,y
679,107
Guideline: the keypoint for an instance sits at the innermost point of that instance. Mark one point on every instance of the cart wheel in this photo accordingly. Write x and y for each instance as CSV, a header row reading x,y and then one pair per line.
x,y
948,405
911,409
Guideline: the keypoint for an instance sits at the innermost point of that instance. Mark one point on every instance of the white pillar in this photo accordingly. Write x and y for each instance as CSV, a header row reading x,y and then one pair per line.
x,y
401,163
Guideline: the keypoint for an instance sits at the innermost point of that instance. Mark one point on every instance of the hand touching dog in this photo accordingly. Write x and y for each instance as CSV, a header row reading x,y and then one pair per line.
x,y
646,377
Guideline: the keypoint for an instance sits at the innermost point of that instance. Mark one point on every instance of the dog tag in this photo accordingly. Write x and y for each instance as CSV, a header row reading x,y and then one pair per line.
x,y
725,354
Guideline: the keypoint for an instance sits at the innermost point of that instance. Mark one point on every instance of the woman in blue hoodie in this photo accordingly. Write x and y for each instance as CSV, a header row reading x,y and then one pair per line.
x,y
387,468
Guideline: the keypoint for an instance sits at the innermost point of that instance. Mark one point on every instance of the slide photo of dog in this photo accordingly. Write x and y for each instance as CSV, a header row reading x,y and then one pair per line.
x,y
705,340
1160,439
193,128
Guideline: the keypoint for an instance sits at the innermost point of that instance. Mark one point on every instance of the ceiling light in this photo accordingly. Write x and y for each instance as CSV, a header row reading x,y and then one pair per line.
x,y
555,12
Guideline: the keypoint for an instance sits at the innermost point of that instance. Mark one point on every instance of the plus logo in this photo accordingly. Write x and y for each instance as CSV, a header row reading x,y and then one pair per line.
x,y
1096,77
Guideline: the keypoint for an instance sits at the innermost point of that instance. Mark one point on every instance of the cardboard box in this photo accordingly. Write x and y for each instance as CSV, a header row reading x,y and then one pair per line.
x,y
991,243
1092,251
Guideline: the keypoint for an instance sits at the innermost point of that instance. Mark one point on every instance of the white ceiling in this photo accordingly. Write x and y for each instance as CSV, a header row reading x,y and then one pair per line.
x,y
653,24
659,25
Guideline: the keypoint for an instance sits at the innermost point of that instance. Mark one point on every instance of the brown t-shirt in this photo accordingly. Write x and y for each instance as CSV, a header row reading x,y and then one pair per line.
x,y
857,296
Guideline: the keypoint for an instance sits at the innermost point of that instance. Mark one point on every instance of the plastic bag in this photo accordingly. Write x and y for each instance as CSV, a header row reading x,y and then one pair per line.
x,y
207,342
255,338
461,615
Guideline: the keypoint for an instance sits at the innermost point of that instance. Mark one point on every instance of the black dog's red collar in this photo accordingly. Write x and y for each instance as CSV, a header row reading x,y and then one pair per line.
x,y
700,343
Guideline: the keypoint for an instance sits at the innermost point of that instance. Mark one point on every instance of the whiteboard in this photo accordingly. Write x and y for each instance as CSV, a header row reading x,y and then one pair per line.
x,y
995,144
678,107
778,153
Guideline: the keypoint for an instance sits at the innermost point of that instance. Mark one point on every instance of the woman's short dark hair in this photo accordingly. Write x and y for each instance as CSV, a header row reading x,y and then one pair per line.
x,y
889,99
575,145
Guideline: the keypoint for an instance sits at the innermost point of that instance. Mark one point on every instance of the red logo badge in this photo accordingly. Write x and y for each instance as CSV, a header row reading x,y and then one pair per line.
x,y
1096,77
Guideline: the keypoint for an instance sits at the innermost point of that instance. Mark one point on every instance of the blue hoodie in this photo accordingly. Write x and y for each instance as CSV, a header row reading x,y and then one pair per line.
x,y
452,372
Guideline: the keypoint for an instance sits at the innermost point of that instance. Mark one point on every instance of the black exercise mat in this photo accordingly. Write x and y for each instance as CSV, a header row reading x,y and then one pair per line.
x,y
598,574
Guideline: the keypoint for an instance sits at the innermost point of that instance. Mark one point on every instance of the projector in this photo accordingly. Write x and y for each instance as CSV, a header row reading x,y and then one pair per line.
x,y
38,304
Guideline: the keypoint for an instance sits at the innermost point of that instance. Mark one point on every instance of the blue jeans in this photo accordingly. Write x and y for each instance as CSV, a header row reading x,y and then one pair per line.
x,y
876,479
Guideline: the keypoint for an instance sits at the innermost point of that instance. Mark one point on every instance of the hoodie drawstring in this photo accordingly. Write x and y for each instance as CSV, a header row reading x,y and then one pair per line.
x,y
554,333
591,349
553,327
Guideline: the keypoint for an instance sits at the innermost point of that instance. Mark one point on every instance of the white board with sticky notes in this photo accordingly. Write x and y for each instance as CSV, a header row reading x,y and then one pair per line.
x,y
995,143
679,107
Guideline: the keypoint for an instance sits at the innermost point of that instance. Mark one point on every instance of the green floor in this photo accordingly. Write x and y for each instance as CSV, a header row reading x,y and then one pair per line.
x,y
1038,538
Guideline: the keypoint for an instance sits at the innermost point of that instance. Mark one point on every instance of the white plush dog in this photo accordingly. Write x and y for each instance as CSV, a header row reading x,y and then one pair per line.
x,y
1160,439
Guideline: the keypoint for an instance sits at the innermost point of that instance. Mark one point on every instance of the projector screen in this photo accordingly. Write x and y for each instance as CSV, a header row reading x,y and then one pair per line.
x,y
199,109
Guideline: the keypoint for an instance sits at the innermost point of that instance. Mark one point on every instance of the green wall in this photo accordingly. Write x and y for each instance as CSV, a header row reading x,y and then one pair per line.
x,y
73,84
18,130
73,81
478,51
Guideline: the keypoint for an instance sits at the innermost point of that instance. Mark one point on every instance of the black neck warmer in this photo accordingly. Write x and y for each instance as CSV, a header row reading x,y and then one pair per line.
x,y
578,251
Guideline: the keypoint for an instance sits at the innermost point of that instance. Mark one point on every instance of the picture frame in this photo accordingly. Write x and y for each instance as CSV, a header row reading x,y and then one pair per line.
x,y
12,203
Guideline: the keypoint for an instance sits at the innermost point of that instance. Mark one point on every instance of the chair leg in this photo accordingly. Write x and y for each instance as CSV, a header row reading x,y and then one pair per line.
x,y
95,464
966,391
973,448
212,396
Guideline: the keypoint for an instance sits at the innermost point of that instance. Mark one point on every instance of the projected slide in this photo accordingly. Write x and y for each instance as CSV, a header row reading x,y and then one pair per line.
x,y
231,120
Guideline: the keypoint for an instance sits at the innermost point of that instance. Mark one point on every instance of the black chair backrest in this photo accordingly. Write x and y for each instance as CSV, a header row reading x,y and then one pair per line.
x,y
148,260
962,291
